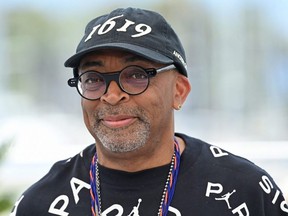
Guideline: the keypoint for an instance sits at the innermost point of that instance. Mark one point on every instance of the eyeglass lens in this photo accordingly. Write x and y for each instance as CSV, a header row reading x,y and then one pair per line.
x,y
132,80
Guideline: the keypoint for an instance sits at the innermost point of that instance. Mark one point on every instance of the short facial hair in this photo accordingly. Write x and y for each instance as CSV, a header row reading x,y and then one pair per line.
x,y
124,139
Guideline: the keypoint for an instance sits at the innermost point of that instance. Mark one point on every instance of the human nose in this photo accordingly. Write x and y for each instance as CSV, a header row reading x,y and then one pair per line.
x,y
114,94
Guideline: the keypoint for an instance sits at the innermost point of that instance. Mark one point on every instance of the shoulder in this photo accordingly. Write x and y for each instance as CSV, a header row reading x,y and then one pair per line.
x,y
60,184
218,173
73,166
216,158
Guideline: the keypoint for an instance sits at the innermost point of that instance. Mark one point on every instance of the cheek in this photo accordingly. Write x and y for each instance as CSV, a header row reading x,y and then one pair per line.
x,y
88,110
160,100
163,95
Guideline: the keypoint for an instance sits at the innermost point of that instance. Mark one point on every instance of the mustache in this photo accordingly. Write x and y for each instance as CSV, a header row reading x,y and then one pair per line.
x,y
108,110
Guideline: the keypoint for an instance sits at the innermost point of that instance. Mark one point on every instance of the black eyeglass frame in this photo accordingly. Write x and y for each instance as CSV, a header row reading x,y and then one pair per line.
x,y
115,76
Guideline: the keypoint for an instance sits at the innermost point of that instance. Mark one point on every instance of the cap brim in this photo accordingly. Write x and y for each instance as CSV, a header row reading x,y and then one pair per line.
x,y
152,55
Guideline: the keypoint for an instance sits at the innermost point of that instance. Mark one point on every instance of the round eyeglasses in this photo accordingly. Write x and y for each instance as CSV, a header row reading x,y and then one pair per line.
x,y
133,80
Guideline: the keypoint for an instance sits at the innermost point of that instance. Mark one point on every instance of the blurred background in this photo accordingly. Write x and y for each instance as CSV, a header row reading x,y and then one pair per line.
x,y
237,55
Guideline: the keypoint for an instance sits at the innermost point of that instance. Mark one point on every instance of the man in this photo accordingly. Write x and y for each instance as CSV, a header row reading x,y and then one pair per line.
x,y
130,71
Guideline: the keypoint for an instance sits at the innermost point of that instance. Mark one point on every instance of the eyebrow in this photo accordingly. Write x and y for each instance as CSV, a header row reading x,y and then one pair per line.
x,y
135,58
91,64
128,59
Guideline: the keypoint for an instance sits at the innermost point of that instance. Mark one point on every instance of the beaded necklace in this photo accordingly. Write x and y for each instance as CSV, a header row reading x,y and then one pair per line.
x,y
168,191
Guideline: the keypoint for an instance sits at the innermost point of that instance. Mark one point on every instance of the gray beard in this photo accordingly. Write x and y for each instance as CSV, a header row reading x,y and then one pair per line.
x,y
121,140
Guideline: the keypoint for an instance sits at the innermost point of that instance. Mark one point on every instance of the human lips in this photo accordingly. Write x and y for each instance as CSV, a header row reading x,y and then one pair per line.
x,y
118,121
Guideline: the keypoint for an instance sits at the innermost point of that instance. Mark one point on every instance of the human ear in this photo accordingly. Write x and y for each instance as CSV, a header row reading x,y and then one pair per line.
x,y
182,89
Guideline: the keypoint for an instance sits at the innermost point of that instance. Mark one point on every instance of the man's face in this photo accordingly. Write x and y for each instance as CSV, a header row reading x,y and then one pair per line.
x,y
123,122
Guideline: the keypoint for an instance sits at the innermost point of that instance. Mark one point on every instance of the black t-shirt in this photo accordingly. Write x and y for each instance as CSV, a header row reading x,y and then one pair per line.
x,y
211,181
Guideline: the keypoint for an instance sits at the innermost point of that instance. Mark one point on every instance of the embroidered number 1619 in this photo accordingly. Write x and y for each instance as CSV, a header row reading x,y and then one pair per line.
x,y
141,29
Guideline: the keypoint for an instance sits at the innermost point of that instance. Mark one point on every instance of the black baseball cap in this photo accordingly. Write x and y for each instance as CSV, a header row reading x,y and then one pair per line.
x,y
142,32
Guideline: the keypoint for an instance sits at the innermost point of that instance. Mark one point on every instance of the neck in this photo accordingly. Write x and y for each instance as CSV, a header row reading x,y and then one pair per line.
x,y
154,155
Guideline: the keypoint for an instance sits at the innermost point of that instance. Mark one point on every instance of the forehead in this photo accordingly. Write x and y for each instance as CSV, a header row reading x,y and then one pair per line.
x,y
100,58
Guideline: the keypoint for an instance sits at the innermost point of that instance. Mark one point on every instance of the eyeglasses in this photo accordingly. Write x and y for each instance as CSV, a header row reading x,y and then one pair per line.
x,y
133,80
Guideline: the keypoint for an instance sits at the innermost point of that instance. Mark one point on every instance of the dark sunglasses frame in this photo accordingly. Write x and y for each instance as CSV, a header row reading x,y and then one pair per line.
x,y
114,76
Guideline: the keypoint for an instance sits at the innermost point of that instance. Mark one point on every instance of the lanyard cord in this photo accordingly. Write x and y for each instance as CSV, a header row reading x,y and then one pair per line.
x,y
167,195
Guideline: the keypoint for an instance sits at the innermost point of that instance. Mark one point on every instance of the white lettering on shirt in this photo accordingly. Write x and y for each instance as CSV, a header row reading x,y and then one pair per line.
x,y
75,189
59,211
